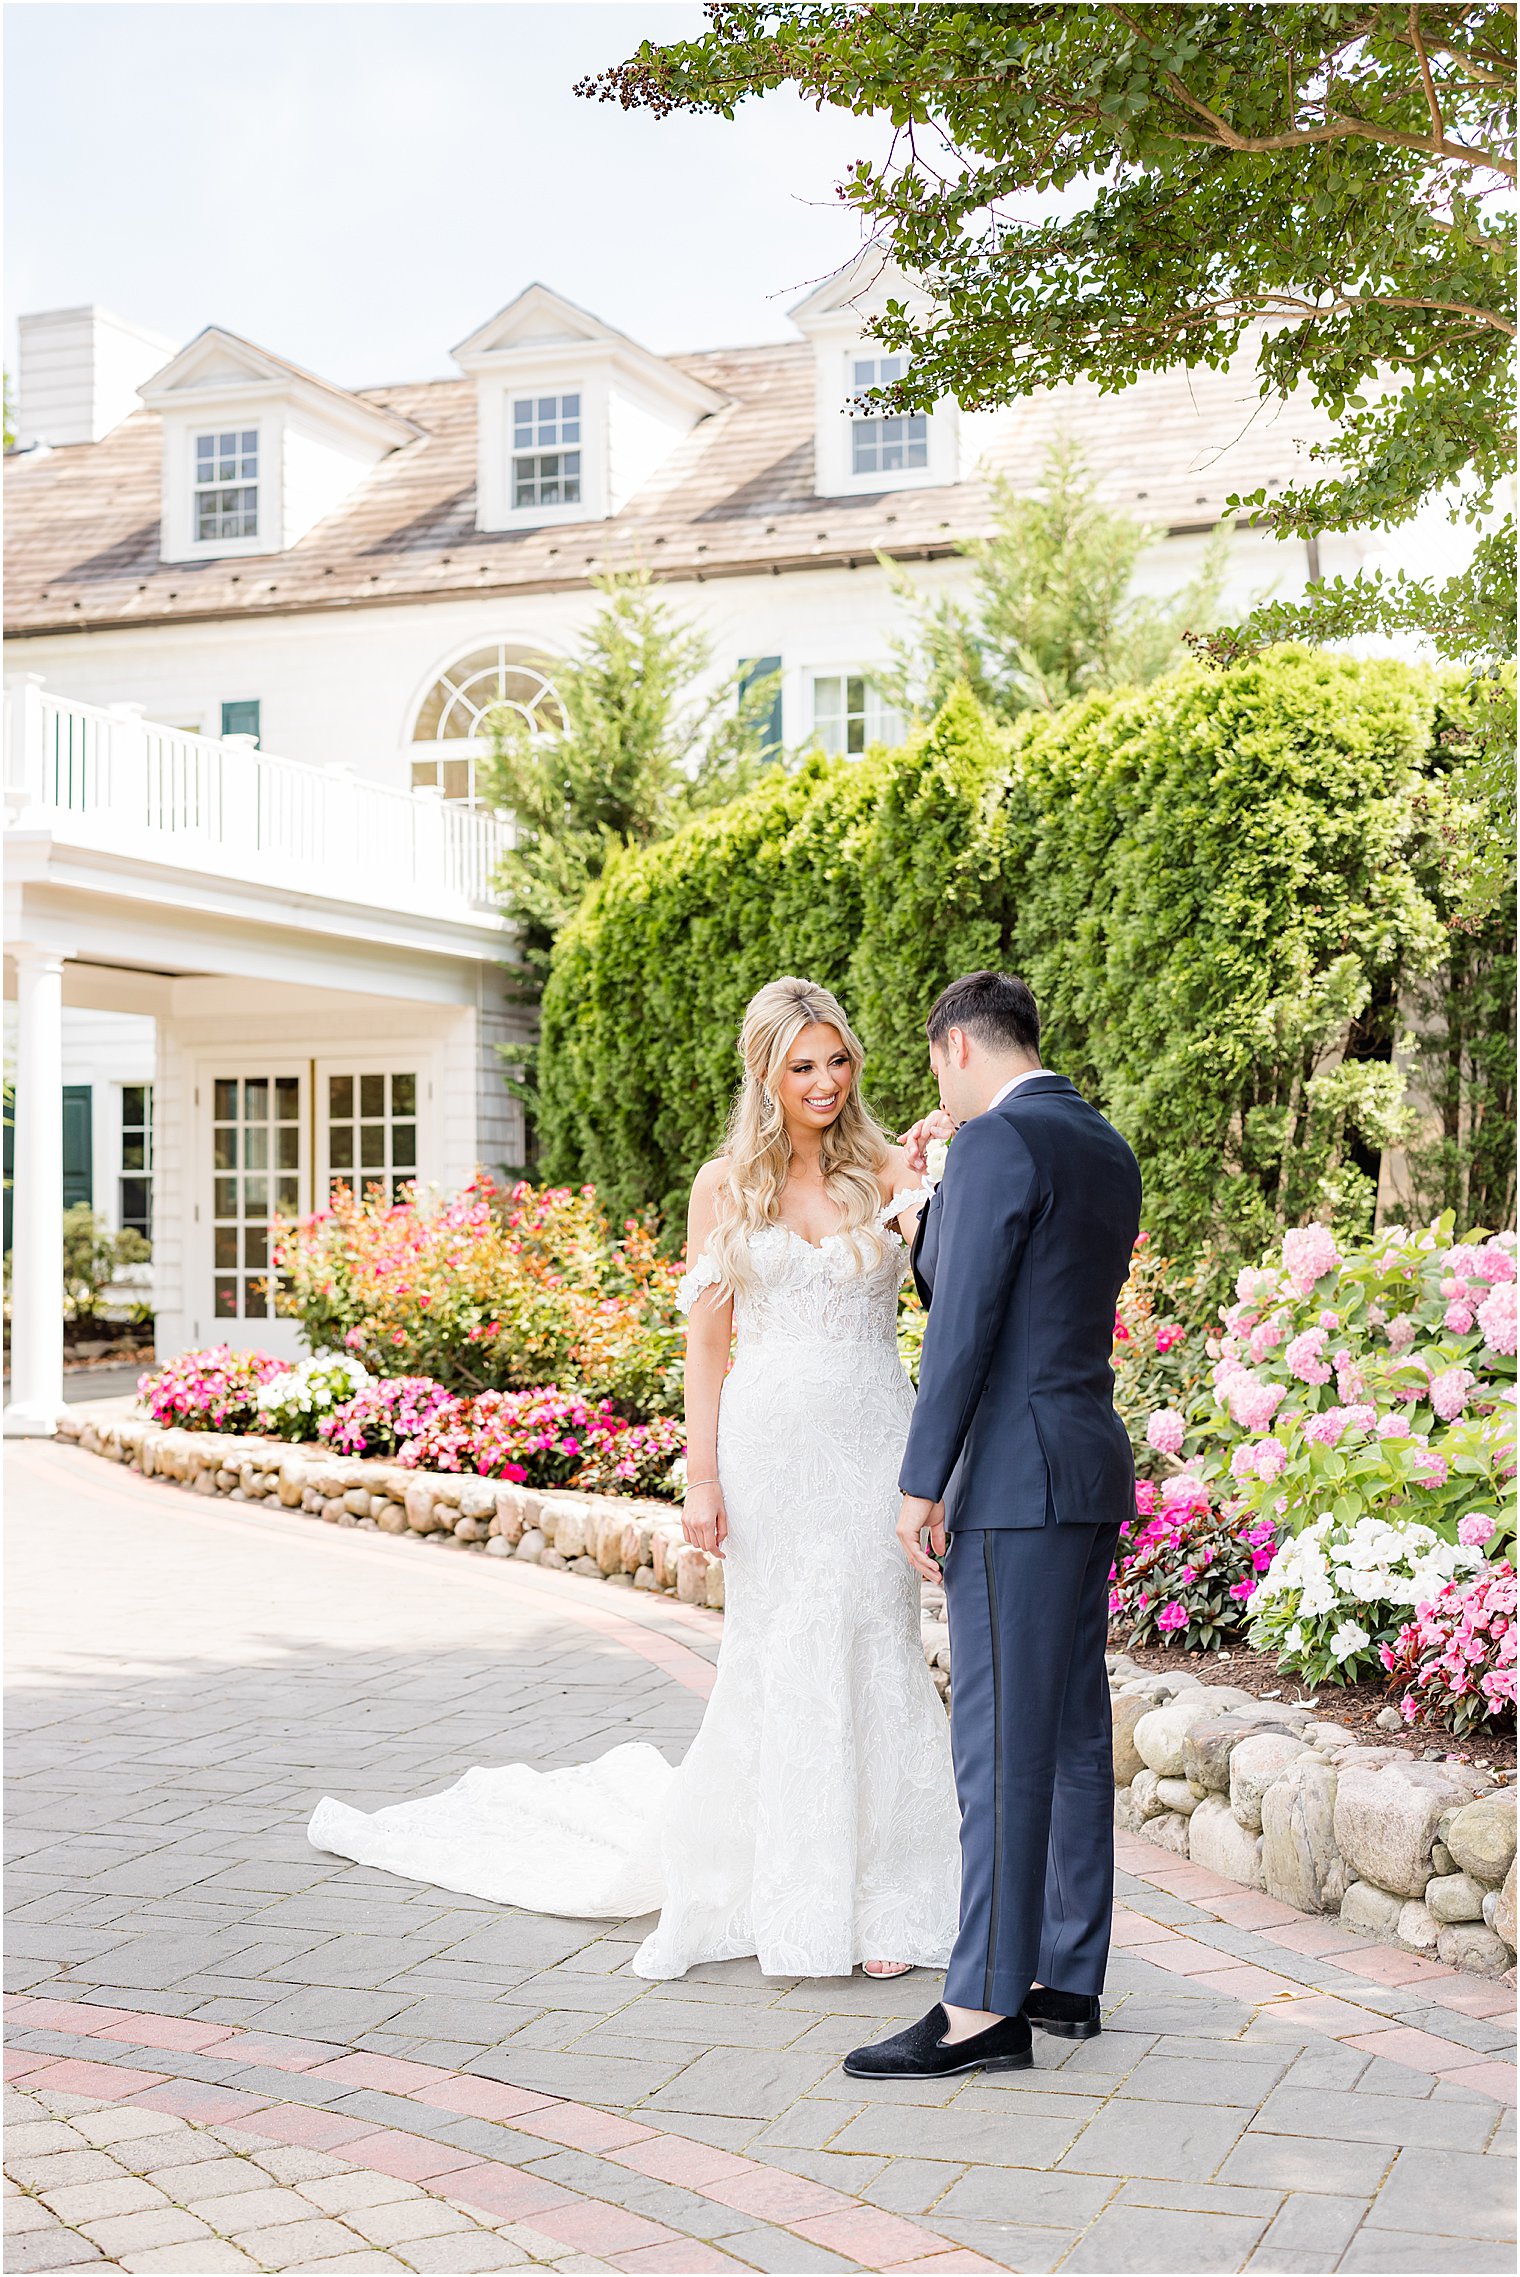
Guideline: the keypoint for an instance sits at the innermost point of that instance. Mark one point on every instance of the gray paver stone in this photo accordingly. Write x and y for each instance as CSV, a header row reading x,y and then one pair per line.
x,y
95,2201
1299,2162
1387,2253
1155,2238
1176,2141
53,2248
1447,2194
963,2136
1359,2118
1037,2201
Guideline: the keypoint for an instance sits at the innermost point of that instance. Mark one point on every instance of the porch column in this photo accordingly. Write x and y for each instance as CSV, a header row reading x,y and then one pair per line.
x,y
36,1399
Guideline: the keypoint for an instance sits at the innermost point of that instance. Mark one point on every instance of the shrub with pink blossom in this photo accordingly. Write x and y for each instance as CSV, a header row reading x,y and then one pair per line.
x,y
1186,1571
1159,1343
1454,1663
1362,1398
382,1417
543,1438
215,1389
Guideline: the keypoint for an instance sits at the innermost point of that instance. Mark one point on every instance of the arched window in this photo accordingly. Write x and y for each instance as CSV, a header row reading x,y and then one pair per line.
x,y
456,713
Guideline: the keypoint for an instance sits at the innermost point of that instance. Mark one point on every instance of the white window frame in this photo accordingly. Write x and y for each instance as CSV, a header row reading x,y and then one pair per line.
x,y
499,391
839,346
218,437
880,722
880,369
123,1127
399,1060
544,434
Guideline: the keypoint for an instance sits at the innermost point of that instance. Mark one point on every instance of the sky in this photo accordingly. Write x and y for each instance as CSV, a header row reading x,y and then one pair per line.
x,y
358,186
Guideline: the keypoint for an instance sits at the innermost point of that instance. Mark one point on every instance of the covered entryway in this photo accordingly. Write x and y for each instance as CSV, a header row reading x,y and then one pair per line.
x,y
328,983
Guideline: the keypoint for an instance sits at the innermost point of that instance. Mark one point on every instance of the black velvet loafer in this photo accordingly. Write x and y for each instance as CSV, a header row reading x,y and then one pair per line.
x,y
922,2052
1070,2015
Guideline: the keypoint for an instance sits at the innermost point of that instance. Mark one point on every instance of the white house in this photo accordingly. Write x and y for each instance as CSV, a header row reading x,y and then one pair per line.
x,y
253,974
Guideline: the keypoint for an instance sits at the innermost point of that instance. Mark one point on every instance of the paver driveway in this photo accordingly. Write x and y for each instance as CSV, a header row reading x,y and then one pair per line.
x,y
228,2051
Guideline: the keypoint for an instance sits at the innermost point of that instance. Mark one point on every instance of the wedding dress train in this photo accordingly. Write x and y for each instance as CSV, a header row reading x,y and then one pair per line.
x,y
813,1821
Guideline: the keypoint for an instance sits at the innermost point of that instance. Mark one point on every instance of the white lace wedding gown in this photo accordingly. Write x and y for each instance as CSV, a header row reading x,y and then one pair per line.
x,y
813,1821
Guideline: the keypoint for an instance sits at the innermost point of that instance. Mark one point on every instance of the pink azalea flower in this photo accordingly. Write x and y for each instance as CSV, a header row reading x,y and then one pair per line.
x,y
1171,1617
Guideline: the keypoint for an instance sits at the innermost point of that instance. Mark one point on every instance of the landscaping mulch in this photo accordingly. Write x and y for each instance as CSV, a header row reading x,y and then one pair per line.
x,y
1357,1706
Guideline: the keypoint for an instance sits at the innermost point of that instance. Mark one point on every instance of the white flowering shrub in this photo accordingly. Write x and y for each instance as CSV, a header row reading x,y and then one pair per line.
x,y
1336,1593
293,1404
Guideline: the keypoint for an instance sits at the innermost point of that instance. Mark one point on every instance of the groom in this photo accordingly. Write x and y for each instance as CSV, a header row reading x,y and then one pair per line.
x,y
1016,1454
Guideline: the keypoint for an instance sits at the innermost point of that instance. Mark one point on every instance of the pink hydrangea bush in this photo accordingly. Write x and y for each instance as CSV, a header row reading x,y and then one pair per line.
x,y
1377,1382
1454,1663
215,1389
1186,1570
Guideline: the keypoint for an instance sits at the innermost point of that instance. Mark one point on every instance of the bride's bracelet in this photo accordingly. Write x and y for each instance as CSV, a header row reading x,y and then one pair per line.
x,y
691,1482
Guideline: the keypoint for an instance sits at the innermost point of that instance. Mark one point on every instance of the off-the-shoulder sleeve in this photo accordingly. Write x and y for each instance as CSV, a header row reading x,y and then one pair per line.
x,y
903,1201
700,1274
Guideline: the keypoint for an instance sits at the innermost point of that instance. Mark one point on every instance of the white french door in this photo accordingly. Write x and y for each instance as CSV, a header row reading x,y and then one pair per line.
x,y
259,1176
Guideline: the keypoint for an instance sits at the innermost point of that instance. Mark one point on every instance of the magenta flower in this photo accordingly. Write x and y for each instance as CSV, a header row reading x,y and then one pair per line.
x,y
1171,1617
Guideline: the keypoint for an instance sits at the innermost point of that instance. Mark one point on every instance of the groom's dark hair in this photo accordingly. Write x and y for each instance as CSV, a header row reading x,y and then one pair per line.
x,y
995,1007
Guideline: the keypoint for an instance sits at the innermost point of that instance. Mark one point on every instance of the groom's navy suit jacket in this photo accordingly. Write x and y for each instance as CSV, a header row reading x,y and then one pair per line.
x,y
1020,1257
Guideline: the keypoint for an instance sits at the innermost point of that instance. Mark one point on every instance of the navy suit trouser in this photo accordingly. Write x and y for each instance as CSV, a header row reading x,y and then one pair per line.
x,y
1031,1734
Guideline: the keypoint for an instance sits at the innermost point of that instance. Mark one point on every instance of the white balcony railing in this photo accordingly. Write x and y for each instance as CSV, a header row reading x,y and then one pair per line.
x,y
107,777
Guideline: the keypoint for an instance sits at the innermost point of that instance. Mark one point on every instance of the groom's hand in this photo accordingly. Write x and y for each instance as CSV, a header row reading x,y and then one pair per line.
x,y
937,1128
917,1515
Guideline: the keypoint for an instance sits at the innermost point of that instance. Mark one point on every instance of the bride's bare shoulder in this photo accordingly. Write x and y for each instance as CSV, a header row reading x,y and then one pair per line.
x,y
896,1175
709,1178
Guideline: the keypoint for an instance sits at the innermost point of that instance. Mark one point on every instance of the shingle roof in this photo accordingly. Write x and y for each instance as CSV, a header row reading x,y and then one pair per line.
x,y
735,498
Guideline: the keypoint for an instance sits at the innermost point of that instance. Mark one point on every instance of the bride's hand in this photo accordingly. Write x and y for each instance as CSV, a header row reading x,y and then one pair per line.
x,y
704,1520
937,1127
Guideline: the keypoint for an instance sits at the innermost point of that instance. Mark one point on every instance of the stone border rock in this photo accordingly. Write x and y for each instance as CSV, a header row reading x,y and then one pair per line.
x,y
1419,1855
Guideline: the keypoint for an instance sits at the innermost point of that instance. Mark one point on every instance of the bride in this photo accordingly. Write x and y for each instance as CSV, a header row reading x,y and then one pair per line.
x,y
813,1822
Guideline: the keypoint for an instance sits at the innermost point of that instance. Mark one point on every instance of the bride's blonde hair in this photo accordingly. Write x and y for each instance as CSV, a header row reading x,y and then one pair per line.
x,y
854,1148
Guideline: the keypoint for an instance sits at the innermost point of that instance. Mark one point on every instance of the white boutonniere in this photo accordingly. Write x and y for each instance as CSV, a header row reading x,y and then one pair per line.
x,y
934,1160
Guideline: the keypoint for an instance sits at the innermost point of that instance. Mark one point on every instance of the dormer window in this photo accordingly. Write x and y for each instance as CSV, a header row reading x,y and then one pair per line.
x,y
227,484
884,445
546,457
256,452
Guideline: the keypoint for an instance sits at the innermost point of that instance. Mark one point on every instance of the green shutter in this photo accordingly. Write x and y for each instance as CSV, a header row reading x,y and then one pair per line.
x,y
241,719
753,670
78,1156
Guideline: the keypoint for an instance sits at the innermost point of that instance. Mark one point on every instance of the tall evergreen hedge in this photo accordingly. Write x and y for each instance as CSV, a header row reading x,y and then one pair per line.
x,y
1222,889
